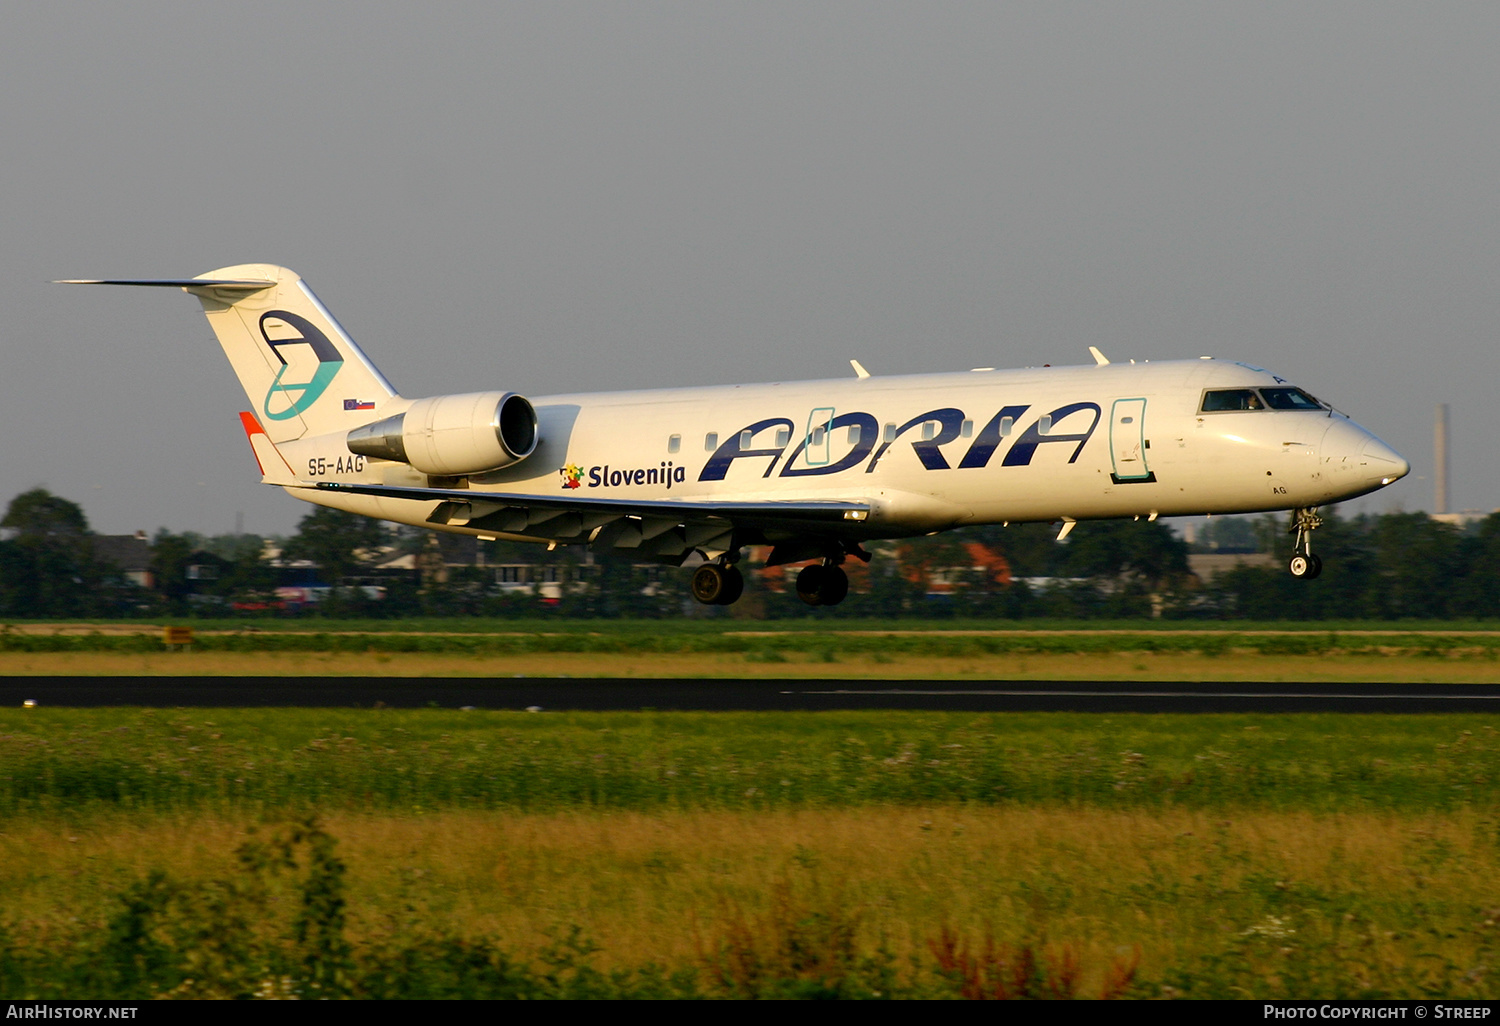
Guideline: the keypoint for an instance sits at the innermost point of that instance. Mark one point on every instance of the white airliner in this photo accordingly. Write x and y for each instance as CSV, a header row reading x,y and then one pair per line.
x,y
815,469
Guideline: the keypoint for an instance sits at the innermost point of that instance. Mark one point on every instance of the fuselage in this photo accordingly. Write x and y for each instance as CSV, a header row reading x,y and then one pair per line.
x,y
929,452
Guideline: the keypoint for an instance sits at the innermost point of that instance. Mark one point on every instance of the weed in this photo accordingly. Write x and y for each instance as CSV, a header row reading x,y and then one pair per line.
x,y
1030,970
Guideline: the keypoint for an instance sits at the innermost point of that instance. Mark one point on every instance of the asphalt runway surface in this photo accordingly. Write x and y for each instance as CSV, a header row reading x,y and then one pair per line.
x,y
559,694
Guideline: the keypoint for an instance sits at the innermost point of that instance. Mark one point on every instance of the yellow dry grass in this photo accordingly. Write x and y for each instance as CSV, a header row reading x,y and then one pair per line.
x,y
1120,666
662,887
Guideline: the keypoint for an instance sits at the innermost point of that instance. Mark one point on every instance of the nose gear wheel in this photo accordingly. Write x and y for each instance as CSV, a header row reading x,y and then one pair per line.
x,y
1303,564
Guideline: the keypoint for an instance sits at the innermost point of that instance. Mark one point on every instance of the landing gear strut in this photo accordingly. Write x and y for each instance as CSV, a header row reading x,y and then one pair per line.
x,y
1303,564
716,585
823,584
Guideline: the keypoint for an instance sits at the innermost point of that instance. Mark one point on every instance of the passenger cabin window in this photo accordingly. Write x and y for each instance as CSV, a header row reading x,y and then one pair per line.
x,y
853,434
1224,400
745,439
1289,399
674,443
890,433
783,436
710,441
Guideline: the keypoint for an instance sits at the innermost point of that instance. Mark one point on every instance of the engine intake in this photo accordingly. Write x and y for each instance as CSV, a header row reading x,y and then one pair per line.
x,y
453,435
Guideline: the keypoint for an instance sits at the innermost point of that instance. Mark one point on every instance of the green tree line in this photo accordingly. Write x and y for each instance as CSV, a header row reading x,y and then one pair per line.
x,y
1386,566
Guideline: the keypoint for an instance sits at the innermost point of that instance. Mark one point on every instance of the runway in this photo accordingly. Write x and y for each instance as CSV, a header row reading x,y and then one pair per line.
x,y
602,694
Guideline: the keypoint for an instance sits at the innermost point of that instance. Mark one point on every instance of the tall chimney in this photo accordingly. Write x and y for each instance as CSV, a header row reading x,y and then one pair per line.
x,y
1440,460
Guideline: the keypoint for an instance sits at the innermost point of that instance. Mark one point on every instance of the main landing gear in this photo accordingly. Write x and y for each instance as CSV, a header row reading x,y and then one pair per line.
x,y
718,585
1303,564
823,584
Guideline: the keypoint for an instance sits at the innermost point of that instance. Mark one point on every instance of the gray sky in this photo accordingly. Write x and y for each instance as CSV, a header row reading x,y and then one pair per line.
x,y
560,196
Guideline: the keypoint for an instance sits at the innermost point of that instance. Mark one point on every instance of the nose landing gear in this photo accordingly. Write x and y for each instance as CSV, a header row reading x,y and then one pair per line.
x,y
1303,564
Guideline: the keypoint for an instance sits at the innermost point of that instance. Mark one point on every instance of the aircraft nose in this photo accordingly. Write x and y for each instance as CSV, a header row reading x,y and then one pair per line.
x,y
1383,461
1357,462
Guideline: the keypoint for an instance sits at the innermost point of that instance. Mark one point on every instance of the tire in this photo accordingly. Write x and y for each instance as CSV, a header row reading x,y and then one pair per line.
x,y
810,585
1301,567
1317,567
734,587
709,584
835,586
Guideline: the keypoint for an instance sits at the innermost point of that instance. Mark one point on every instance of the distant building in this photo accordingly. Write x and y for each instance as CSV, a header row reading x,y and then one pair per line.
x,y
1207,565
129,554
985,568
544,579
1463,518
204,567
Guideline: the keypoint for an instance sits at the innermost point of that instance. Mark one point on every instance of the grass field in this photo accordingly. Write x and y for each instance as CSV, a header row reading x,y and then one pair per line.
x,y
439,853
918,854
636,649
814,622
1406,669
292,761
1264,904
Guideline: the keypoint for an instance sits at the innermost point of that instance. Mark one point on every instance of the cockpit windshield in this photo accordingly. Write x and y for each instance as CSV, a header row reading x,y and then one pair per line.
x,y
1227,400
1222,400
1289,399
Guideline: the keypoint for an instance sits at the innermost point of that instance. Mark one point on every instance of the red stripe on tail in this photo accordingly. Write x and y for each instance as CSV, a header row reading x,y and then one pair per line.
x,y
252,428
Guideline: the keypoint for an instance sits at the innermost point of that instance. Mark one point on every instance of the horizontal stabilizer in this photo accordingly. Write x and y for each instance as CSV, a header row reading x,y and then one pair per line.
x,y
238,284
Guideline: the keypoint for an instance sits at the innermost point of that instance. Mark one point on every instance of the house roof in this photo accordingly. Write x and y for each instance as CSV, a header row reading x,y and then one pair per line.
x,y
127,551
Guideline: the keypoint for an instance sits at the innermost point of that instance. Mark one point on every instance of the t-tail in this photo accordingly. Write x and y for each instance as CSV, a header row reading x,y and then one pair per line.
x,y
302,372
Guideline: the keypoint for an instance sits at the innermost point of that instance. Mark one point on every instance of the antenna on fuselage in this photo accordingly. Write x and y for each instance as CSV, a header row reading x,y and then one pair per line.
x,y
1099,358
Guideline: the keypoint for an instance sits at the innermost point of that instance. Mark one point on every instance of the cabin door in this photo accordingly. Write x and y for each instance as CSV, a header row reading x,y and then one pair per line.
x,y
1127,441
819,427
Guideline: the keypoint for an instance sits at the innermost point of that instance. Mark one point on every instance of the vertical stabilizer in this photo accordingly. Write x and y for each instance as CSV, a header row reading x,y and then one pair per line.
x,y
301,371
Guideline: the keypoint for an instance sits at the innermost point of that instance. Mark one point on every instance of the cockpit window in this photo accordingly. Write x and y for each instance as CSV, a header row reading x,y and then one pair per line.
x,y
1222,400
1289,399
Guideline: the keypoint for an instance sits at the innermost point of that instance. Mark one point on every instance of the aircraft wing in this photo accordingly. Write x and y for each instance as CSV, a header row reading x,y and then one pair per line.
x,y
769,510
665,527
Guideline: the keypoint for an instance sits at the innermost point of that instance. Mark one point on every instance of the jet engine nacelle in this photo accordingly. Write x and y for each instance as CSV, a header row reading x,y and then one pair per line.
x,y
453,435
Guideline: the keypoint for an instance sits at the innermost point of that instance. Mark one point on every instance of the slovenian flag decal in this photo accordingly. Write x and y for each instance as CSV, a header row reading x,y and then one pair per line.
x,y
358,404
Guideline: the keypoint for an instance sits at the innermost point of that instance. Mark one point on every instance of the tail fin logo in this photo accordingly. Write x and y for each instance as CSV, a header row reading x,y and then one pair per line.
x,y
291,398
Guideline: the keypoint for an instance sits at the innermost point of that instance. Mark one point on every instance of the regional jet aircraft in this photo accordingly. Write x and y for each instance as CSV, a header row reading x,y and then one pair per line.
x,y
815,469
